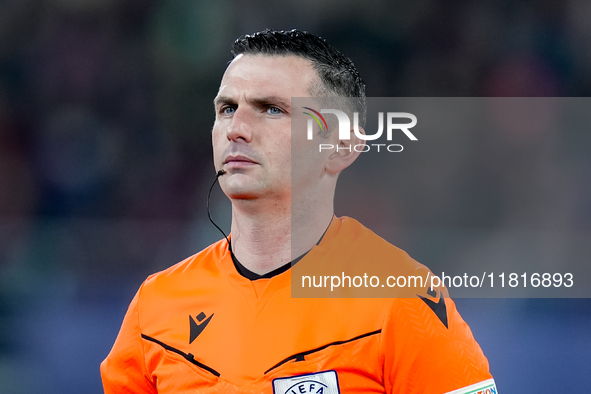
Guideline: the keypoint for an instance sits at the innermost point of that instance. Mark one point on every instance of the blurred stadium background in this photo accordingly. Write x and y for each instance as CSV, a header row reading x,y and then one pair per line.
x,y
105,161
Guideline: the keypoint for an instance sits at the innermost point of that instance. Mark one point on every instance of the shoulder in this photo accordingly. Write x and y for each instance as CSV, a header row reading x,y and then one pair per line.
x,y
350,249
187,273
351,234
363,251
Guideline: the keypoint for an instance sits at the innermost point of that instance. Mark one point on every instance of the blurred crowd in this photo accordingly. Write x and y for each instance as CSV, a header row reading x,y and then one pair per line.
x,y
105,147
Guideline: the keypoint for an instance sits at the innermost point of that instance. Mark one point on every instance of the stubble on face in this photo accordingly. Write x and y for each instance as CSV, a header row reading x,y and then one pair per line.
x,y
252,132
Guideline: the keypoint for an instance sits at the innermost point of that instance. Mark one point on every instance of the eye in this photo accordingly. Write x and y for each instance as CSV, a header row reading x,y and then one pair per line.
x,y
228,110
274,111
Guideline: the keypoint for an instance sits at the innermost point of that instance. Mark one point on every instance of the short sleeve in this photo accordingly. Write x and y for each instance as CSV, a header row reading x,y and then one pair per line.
x,y
124,371
428,348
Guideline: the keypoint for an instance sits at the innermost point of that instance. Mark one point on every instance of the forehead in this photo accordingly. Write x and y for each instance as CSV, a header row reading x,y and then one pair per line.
x,y
286,76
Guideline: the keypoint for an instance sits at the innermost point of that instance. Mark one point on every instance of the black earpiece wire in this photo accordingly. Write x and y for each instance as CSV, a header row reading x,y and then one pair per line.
x,y
217,175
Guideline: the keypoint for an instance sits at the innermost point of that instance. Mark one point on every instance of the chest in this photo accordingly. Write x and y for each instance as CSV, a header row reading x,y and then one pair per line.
x,y
285,345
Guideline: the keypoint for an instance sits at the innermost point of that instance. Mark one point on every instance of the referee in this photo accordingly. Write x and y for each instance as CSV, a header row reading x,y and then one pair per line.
x,y
224,321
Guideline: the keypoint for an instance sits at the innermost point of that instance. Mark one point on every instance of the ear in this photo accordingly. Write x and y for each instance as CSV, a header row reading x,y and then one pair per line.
x,y
345,153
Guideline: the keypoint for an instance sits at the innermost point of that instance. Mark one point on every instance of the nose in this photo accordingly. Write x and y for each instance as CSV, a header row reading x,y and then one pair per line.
x,y
241,125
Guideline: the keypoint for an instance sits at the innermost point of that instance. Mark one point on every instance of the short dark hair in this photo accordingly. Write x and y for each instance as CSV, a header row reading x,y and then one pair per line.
x,y
337,73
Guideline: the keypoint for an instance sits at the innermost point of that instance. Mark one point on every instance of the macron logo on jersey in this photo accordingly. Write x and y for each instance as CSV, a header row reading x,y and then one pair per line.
x,y
315,383
197,328
437,307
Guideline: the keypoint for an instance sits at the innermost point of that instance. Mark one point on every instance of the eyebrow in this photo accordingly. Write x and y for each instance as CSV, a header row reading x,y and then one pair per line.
x,y
259,101
223,100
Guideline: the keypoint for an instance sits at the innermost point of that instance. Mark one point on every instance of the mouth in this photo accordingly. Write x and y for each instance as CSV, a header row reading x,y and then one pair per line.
x,y
238,161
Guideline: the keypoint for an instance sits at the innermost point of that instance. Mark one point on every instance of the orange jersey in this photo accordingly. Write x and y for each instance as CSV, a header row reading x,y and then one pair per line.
x,y
200,326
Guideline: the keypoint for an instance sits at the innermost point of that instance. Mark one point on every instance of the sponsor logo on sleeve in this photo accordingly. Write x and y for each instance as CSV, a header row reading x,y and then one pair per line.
x,y
325,382
486,387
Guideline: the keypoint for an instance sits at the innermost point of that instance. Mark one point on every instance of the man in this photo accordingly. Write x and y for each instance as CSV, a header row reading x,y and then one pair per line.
x,y
224,320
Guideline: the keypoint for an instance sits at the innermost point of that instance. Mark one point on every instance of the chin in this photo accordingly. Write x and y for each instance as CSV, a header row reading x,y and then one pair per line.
x,y
241,192
242,196
239,188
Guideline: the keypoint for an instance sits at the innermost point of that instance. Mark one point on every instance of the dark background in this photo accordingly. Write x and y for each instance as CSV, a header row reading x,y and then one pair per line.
x,y
105,160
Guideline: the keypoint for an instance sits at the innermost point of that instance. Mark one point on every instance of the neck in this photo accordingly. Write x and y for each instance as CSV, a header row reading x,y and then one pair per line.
x,y
264,239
